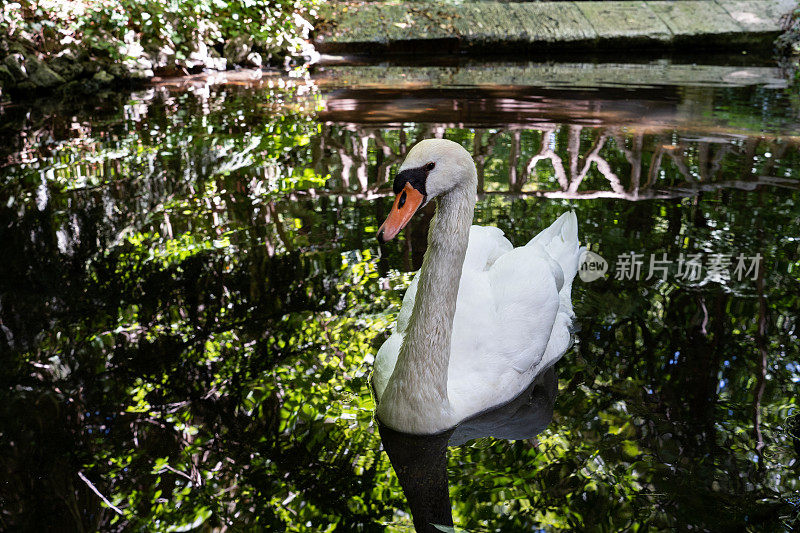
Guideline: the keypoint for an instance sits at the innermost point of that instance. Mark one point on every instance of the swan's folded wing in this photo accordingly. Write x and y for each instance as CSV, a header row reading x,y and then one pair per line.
x,y
525,285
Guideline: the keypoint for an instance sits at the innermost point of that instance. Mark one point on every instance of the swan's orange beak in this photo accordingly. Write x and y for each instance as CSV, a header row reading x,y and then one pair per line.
x,y
405,205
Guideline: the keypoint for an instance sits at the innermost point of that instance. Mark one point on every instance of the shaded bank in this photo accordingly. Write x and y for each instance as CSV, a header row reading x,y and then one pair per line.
x,y
89,45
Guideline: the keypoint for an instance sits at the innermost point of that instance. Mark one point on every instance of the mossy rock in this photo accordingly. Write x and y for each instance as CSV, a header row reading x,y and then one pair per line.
x,y
67,67
41,75
117,71
102,77
90,66
14,65
6,79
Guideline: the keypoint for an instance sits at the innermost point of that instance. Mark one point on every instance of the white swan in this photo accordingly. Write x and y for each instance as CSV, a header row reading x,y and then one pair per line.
x,y
481,318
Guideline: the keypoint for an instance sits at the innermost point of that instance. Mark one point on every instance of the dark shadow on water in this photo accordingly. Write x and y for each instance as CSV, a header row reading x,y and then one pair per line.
x,y
755,58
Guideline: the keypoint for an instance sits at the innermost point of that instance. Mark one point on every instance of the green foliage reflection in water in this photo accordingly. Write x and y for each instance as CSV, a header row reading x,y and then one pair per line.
x,y
188,319
200,311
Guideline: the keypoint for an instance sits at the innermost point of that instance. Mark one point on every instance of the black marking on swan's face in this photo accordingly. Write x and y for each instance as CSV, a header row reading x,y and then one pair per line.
x,y
414,176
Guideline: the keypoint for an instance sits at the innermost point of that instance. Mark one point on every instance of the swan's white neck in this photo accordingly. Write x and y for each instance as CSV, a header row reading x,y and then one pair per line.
x,y
415,400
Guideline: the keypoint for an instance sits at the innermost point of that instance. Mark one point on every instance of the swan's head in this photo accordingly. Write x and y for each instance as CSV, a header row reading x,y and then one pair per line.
x,y
432,168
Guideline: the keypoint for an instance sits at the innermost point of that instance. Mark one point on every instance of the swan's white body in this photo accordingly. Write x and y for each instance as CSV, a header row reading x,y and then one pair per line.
x,y
510,318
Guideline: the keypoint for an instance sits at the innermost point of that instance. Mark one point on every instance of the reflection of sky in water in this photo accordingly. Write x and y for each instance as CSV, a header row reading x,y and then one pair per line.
x,y
193,276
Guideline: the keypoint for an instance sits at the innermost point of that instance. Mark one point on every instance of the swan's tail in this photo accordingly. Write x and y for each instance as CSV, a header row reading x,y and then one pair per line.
x,y
560,240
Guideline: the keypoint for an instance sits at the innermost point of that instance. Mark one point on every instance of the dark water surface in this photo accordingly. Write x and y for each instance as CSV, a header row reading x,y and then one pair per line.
x,y
191,295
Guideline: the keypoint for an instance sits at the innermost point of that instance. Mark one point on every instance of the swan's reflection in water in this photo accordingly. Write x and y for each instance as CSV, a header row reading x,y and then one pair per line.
x,y
420,461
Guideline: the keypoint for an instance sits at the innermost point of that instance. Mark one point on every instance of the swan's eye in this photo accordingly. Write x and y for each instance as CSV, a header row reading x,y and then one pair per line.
x,y
429,166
